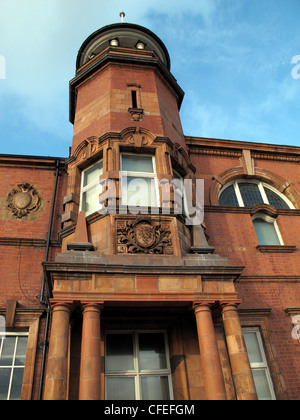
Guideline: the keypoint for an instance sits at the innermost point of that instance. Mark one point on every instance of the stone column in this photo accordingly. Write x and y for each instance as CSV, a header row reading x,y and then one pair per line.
x,y
240,365
210,359
90,366
57,368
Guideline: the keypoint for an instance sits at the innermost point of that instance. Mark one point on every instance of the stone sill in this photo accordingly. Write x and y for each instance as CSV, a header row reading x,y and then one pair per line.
x,y
277,249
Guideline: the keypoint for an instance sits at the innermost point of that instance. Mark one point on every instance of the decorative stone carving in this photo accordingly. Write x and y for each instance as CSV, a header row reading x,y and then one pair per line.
x,y
144,236
138,139
136,113
23,200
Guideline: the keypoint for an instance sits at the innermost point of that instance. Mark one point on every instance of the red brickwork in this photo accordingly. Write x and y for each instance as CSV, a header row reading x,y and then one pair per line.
x,y
23,240
270,280
96,115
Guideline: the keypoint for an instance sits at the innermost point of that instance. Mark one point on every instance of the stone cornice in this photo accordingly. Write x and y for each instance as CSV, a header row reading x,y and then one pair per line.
x,y
269,279
233,148
132,266
34,242
248,210
22,161
122,56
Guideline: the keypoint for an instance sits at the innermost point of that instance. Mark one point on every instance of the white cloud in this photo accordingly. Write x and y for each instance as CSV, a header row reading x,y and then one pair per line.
x,y
211,48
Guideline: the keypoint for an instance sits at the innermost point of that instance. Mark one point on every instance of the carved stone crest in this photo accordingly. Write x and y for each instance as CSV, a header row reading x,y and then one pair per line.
x,y
23,200
143,236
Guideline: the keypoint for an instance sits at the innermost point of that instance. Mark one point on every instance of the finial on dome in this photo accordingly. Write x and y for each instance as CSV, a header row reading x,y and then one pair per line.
x,y
122,15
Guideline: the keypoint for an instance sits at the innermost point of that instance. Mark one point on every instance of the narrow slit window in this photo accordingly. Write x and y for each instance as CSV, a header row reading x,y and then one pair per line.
x,y
134,99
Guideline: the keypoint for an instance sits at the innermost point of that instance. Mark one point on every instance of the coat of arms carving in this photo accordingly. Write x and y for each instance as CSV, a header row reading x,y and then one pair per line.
x,y
143,236
23,200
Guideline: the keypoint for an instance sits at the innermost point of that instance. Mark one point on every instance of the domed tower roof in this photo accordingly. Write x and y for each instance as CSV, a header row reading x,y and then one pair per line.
x,y
126,35
122,44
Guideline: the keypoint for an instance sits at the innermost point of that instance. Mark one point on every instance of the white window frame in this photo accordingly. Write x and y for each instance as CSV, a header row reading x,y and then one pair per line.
x,y
12,367
264,364
136,174
136,373
272,221
261,186
89,186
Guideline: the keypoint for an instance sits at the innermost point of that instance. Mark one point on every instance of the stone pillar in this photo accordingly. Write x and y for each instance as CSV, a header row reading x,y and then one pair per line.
x,y
90,366
210,359
56,386
240,366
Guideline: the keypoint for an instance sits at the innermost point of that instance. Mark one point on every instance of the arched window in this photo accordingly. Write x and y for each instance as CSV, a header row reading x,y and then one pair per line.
x,y
243,193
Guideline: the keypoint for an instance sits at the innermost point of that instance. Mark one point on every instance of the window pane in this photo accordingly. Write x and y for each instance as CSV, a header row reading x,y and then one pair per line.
x,y
4,383
253,348
120,389
119,352
90,200
16,386
250,194
155,388
266,232
8,350
137,163
21,351
275,200
152,352
140,192
261,384
93,173
228,197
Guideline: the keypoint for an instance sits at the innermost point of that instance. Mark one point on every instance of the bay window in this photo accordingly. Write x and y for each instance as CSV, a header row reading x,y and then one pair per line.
x,y
138,180
91,188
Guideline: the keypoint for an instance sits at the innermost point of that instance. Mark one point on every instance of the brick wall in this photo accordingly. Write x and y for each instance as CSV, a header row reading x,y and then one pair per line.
x,y
270,281
23,240
103,102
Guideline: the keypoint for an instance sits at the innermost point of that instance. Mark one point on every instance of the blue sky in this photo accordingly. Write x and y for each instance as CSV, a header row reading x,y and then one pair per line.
x,y
233,59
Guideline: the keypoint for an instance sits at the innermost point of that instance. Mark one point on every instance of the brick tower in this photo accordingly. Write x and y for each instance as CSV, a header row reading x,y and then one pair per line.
x,y
132,283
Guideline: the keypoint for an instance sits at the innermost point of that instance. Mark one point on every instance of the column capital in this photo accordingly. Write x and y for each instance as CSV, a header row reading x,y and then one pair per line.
x,y
230,305
62,306
202,306
92,307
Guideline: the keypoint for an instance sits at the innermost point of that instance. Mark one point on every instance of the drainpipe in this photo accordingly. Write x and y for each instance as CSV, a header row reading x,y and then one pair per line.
x,y
44,299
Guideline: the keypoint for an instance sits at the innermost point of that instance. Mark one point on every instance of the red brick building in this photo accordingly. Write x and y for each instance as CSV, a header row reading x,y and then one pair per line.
x,y
99,302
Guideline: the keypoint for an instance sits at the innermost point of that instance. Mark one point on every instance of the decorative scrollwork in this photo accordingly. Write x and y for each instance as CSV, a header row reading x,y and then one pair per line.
x,y
23,200
143,236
